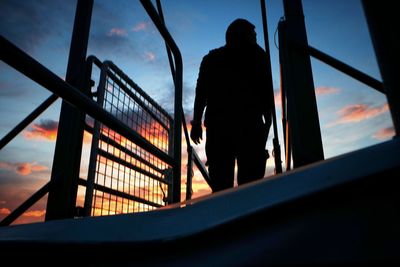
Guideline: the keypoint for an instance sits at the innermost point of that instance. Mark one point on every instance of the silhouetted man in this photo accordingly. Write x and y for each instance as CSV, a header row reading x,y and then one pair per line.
x,y
232,86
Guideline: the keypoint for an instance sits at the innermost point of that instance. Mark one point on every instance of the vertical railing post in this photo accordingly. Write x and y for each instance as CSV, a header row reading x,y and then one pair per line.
x,y
382,23
284,75
189,175
66,163
305,132
95,145
275,141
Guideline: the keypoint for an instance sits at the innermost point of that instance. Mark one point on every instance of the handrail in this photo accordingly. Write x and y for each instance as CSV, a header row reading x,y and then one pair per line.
x,y
28,66
341,66
151,11
192,154
300,47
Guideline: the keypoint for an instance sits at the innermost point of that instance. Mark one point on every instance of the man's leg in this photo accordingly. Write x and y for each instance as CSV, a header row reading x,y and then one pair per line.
x,y
252,156
221,160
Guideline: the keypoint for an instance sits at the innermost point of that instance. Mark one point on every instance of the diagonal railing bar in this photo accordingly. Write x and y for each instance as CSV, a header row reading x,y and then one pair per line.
x,y
26,205
29,119
341,66
28,66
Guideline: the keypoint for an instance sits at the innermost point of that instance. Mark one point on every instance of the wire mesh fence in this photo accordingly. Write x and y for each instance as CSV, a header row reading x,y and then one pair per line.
x,y
123,177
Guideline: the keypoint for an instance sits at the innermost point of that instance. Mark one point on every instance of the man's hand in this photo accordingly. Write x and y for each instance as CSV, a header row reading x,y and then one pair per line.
x,y
196,133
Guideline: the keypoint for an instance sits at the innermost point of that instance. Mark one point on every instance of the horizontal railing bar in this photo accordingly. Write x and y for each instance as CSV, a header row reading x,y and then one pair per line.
x,y
111,157
28,66
114,192
123,149
29,119
137,88
26,205
343,67
137,99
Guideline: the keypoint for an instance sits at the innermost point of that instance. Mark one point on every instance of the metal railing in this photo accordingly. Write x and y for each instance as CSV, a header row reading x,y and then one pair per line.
x,y
122,177
290,44
193,158
144,153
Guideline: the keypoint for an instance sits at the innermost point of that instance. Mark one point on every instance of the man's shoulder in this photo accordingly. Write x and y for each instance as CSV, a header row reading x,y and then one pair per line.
x,y
216,53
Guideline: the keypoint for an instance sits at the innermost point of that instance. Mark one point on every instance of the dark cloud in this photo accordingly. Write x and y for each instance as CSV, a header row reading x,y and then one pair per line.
x,y
111,47
11,90
166,100
27,23
44,130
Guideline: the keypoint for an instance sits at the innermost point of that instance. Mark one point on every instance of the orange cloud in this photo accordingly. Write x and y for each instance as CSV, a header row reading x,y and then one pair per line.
x,y
141,26
23,168
45,130
359,112
384,133
325,90
117,32
4,211
35,213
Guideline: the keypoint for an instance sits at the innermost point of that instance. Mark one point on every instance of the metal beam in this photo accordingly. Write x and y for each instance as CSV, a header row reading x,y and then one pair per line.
x,y
67,156
343,67
382,20
305,132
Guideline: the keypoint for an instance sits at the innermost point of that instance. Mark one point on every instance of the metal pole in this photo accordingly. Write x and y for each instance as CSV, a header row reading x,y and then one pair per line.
x,y
277,147
305,132
284,75
151,11
189,175
95,146
66,163
382,20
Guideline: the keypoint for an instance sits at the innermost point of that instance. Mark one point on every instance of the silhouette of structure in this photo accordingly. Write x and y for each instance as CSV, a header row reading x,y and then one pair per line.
x,y
340,210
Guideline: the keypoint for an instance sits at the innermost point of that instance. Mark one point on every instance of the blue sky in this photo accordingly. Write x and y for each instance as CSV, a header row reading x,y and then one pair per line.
x,y
352,115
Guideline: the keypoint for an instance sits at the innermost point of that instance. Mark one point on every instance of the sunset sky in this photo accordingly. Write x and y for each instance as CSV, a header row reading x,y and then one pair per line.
x,y
352,115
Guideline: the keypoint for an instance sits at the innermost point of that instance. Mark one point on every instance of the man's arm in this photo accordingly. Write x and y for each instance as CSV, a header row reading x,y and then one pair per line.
x,y
200,103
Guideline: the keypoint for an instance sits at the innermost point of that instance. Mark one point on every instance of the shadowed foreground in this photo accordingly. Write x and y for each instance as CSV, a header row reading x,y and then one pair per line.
x,y
342,210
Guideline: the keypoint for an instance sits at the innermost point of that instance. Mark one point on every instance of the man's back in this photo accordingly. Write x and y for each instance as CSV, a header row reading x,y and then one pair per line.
x,y
233,81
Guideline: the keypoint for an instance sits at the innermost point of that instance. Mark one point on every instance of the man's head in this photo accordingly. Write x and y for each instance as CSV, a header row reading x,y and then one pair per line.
x,y
240,32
